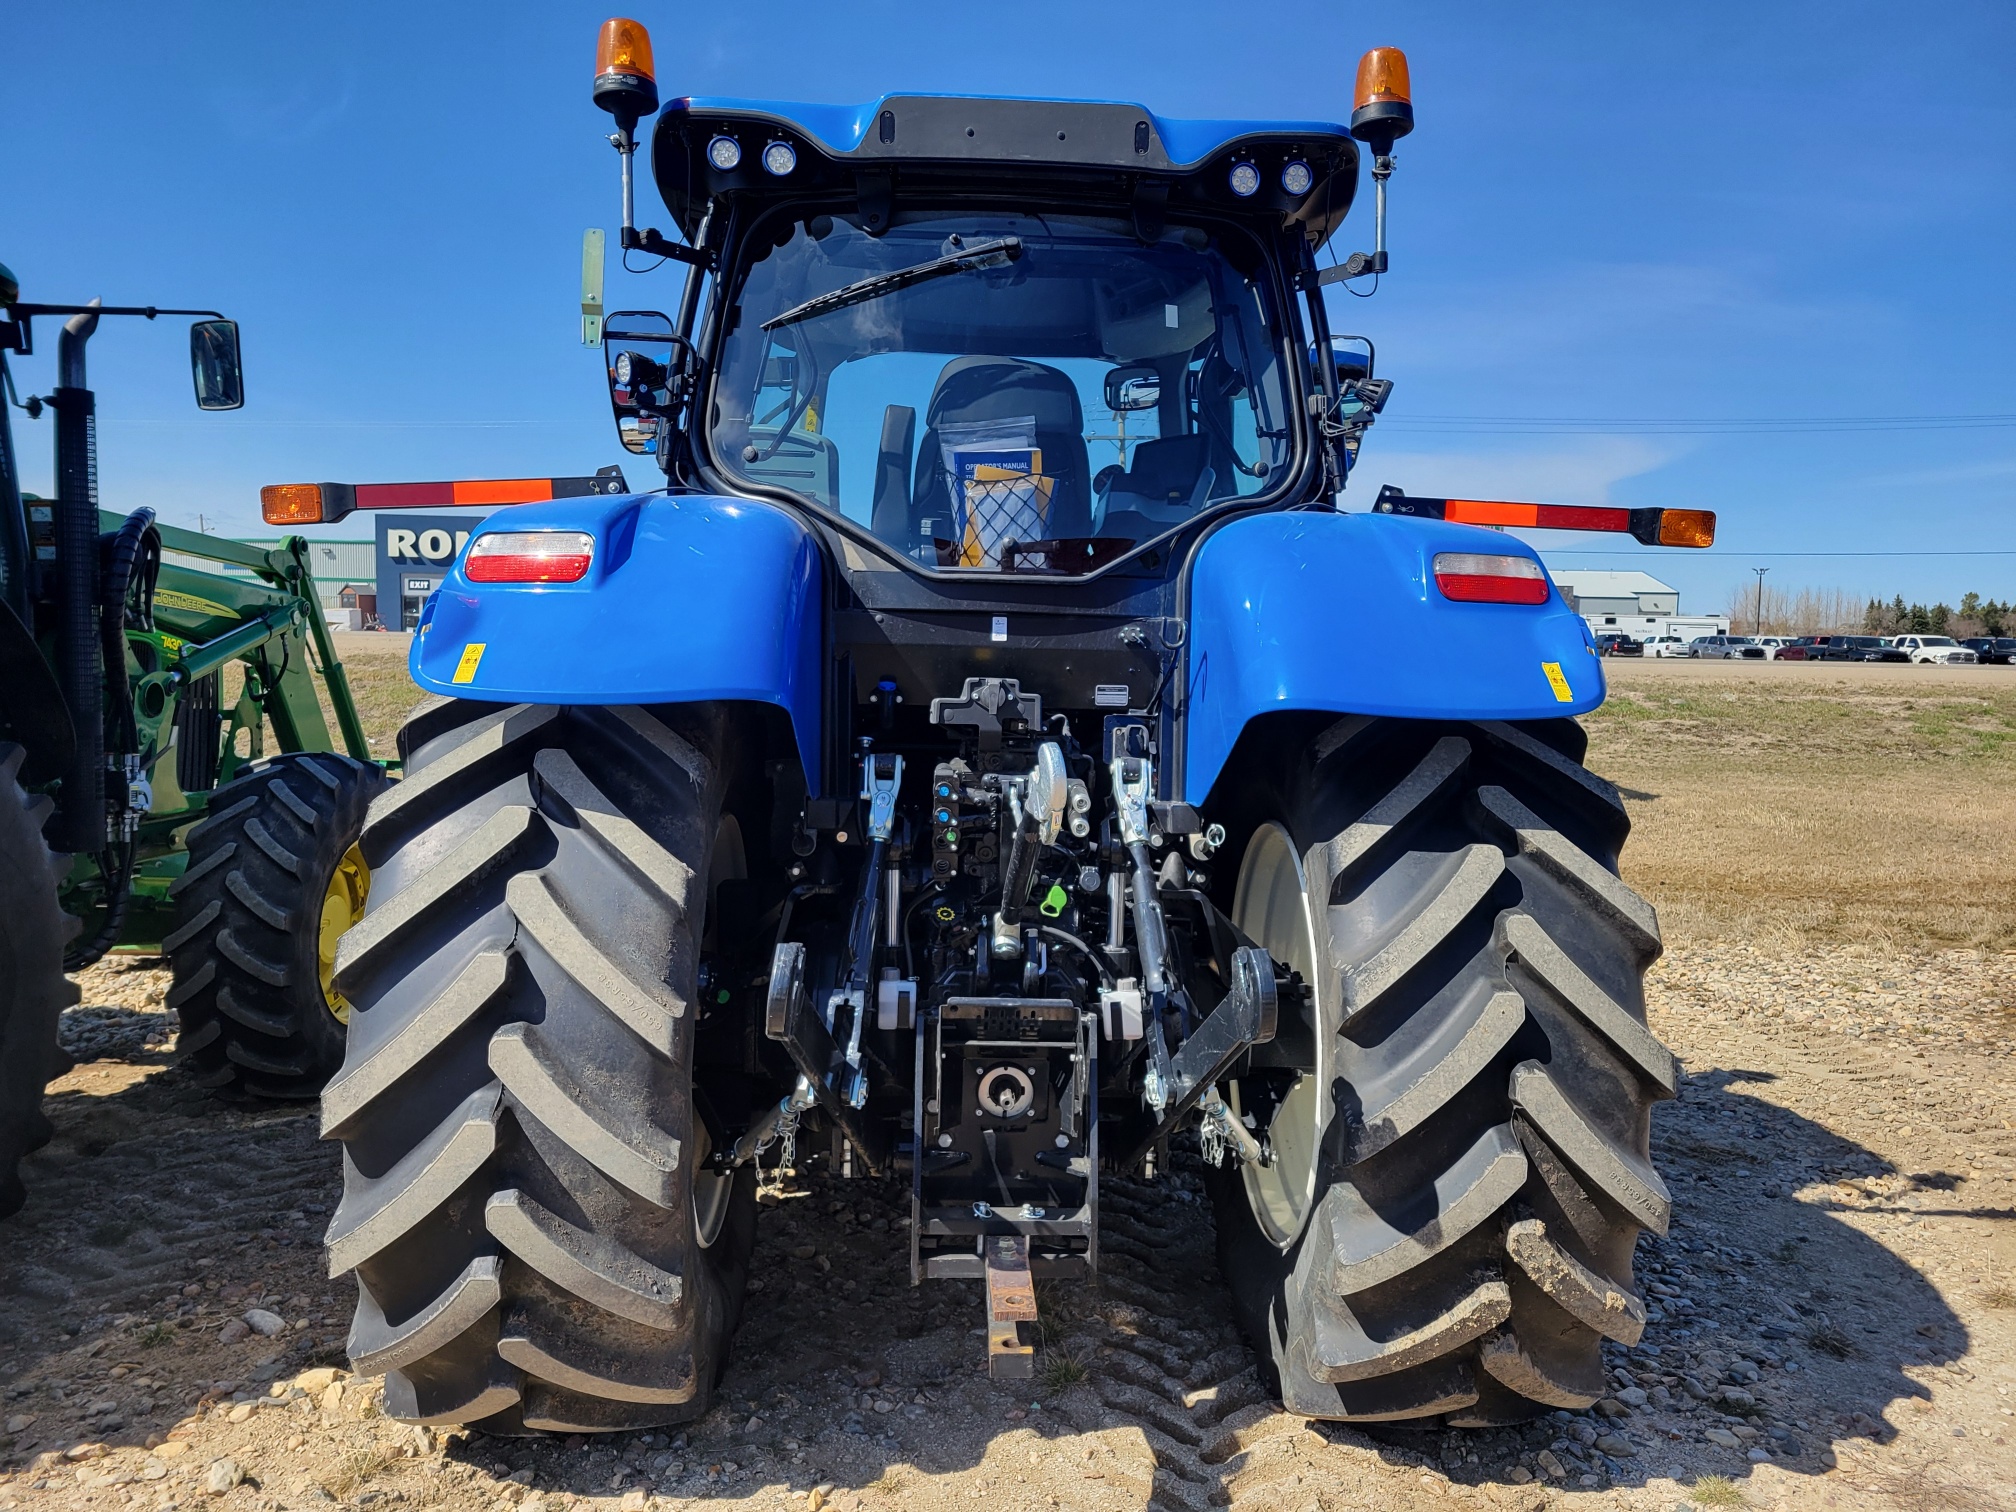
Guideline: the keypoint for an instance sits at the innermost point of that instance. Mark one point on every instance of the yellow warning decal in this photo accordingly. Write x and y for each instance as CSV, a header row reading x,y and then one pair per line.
x,y
472,658
1555,680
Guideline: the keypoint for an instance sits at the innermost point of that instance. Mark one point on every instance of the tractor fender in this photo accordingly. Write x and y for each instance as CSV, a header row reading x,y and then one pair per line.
x,y
688,599
1312,610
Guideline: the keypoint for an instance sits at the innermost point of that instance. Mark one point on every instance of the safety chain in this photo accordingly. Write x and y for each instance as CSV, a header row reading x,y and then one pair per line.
x,y
785,1134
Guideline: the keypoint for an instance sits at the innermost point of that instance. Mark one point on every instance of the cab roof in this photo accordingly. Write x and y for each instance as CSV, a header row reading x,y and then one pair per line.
x,y
1103,149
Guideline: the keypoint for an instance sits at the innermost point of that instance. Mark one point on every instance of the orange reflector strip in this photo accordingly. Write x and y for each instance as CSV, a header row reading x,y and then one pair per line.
x,y
1537,516
291,504
502,491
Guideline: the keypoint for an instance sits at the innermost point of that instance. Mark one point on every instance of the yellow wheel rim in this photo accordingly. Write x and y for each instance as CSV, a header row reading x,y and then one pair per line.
x,y
342,906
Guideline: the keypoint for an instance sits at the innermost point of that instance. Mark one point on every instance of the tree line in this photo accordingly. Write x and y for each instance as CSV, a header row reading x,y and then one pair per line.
x,y
1975,616
1835,611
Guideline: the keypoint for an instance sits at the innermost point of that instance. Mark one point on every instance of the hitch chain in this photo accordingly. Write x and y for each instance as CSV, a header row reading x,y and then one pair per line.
x,y
1221,1132
786,1136
783,1133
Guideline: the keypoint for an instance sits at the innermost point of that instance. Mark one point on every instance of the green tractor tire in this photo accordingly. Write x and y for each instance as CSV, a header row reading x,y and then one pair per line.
x,y
274,878
33,989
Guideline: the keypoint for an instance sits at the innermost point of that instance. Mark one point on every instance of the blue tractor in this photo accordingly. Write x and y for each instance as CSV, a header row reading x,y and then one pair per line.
x,y
996,758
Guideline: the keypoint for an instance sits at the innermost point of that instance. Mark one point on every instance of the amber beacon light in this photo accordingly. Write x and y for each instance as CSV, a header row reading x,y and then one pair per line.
x,y
626,82
1383,106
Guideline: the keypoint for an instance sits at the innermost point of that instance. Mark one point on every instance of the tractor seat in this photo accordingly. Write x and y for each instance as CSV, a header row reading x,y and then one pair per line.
x,y
1167,482
1007,388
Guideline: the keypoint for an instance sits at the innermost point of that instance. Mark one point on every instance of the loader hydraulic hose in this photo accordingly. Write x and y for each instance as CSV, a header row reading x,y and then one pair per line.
x,y
132,551
79,824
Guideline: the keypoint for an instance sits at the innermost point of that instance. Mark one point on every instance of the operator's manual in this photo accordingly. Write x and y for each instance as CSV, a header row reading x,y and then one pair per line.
x,y
999,488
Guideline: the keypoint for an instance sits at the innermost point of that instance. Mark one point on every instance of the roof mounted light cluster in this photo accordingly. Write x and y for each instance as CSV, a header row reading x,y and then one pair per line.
x,y
778,157
1296,178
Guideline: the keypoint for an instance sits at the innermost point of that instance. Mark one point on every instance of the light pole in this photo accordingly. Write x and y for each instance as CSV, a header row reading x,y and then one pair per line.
x,y
1760,571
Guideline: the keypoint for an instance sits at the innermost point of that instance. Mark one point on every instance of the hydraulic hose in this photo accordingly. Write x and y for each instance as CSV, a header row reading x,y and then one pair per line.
x,y
115,869
131,553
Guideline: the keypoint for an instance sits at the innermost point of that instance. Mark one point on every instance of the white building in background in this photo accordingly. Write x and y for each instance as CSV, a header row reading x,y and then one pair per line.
x,y
1633,603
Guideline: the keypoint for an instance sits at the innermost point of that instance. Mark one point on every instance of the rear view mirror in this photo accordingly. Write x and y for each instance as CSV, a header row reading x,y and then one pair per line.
x,y
647,363
1352,356
213,360
1133,386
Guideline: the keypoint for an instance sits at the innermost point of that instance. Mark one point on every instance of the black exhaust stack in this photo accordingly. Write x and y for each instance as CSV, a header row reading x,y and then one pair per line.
x,y
79,822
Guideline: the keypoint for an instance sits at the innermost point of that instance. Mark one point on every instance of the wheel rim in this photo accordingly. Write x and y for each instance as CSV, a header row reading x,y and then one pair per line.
x,y
342,906
1272,907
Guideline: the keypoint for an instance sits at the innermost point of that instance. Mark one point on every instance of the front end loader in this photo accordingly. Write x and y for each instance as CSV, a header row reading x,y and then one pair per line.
x,y
139,809
995,761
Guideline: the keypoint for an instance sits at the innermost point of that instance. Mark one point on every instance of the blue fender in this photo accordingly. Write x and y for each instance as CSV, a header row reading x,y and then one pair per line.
x,y
689,599
1340,613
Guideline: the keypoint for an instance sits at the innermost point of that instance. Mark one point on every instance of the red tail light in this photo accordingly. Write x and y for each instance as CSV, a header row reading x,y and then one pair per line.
x,y
1472,578
529,556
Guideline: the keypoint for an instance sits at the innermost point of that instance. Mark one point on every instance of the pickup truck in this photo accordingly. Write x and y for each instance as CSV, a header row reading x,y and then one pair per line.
x,y
1729,647
1938,650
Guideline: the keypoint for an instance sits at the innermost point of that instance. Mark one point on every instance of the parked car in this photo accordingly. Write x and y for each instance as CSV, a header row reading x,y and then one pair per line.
x,y
1798,649
1772,644
1939,650
1861,648
1727,647
1992,650
1666,645
1617,643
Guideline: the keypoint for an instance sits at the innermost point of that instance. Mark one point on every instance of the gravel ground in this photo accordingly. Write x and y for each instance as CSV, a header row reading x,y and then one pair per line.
x,y
1834,1313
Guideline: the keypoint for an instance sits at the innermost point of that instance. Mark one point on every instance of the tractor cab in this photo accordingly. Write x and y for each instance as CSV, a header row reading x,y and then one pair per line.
x,y
992,335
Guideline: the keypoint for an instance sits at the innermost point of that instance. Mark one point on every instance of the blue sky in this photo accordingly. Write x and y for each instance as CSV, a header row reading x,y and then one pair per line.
x,y
1616,230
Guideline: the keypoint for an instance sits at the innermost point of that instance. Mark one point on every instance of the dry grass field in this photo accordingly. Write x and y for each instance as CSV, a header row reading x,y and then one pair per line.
x,y
1787,804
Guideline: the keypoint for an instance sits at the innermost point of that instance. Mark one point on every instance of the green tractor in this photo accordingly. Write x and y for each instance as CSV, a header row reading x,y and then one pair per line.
x,y
139,807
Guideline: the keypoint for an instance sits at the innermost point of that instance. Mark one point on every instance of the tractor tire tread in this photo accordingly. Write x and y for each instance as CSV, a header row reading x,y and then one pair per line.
x,y
1468,1246
33,988
528,1261
248,907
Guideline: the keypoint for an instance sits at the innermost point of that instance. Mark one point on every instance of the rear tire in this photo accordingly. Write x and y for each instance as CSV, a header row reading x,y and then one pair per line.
x,y
536,1242
33,989
270,873
1462,1119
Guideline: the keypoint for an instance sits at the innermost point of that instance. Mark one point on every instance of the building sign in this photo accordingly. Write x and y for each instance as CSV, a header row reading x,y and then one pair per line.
x,y
414,554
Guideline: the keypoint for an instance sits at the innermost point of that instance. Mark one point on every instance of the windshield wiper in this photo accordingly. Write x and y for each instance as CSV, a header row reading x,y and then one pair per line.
x,y
997,253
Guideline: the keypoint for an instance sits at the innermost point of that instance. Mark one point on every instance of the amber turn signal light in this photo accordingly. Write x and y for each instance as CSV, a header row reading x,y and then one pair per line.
x,y
1687,527
626,81
1383,105
291,503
